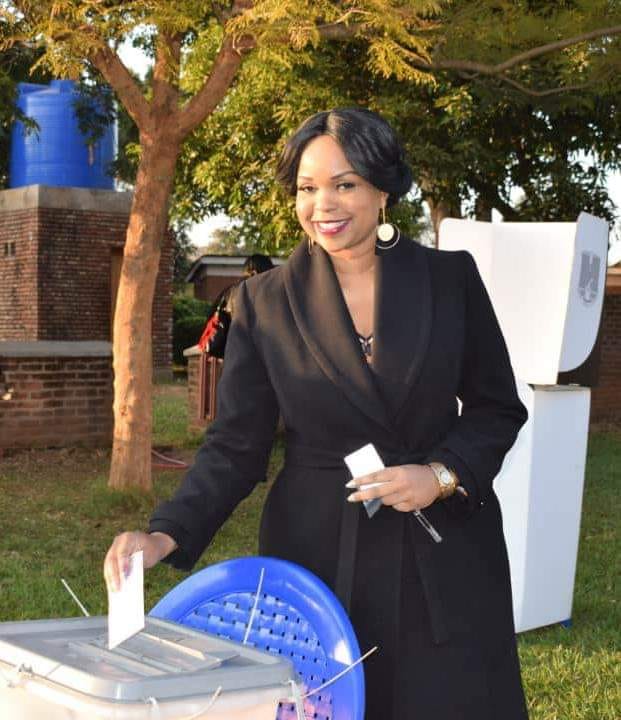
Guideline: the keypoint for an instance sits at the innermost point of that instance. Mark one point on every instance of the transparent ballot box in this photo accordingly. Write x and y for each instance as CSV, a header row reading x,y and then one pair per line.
x,y
63,669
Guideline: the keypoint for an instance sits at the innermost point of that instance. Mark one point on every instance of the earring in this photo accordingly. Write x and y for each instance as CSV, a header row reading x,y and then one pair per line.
x,y
388,235
310,244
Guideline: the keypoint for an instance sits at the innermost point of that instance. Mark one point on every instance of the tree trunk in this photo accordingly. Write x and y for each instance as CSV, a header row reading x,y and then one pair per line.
x,y
440,209
132,338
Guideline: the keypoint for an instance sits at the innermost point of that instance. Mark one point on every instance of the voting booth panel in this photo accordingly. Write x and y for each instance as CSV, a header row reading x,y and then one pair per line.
x,y
540,491
546,283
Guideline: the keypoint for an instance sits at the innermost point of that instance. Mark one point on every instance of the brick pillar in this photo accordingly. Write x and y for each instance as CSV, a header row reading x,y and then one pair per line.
x,y
60,255
194,422
606,396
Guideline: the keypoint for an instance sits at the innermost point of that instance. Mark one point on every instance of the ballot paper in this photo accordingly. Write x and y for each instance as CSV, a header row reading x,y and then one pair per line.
x,y
366,461
126,605
363,462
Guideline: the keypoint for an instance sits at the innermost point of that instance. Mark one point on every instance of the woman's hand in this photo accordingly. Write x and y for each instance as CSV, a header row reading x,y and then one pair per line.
x,y
154,546
403,487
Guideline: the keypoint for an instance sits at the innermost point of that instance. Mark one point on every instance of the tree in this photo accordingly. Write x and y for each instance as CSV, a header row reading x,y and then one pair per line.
x,y
470,146
17,64
198,49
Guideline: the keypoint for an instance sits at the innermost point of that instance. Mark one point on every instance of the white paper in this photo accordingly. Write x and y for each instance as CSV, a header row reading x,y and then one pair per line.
x,y
363,462
126,605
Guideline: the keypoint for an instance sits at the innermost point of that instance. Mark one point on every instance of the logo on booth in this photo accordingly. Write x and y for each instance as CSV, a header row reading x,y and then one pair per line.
x,y
588,285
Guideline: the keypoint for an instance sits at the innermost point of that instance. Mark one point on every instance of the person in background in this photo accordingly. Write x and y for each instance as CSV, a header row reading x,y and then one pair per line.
x,y
364,336
257,264
215,332
253,265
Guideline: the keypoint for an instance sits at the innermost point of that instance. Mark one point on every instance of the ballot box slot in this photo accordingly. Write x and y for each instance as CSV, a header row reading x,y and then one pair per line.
x,y
210,659
124,659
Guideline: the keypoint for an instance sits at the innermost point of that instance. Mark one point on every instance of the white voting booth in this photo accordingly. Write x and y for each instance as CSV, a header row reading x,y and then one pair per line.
x,y
546,282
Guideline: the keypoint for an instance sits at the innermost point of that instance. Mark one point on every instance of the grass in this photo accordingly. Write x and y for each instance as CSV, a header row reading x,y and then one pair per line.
x,y
57,518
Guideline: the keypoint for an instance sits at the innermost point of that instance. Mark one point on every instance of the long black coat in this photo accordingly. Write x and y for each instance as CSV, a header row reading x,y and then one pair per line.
x,y
441,613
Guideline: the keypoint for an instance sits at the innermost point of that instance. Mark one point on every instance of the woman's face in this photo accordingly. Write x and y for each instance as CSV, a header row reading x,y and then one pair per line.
x,y
336,207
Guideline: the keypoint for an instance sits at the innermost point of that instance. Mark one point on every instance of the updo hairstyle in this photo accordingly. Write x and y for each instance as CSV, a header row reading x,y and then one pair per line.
x,y
368,142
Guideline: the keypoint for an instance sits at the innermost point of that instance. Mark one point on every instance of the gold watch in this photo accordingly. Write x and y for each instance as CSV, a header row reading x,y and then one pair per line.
x,y
447,480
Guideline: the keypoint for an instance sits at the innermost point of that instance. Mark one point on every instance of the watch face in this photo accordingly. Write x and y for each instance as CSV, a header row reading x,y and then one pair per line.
x,y
445,478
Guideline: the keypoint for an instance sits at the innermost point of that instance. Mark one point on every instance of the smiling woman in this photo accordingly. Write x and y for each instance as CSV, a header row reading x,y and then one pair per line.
x,y
335,205
356,341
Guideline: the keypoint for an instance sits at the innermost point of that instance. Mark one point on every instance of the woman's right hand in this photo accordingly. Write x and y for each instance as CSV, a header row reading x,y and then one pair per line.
x,y
154,546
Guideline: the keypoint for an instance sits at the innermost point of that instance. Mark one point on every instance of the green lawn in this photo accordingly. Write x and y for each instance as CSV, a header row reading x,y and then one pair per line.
x,y
57,518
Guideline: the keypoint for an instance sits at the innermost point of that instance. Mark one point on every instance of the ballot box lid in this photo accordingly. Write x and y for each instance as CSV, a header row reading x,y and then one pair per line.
x,y
165,660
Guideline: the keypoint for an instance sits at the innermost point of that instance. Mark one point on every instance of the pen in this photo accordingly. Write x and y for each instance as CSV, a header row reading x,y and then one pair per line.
x,y
427,525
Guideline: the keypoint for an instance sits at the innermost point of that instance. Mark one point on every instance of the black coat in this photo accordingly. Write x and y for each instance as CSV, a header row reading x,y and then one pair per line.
x,y
441,613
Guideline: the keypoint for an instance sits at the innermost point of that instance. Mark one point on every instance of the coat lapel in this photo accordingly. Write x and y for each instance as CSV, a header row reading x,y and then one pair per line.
x,y
323,320
402,325
402,322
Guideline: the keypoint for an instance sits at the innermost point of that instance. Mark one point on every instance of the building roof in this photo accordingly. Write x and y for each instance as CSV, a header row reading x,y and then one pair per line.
x,y
229,265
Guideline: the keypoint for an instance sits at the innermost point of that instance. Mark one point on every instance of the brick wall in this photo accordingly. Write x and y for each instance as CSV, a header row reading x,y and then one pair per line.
x,y
75,252
18,275
193,398
606,397
162,308
55,395
60,282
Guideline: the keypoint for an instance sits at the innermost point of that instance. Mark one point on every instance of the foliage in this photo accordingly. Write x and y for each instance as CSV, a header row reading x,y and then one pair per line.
x,y
231,241
16,65
198,49
403,62
189,316
468,147
182,256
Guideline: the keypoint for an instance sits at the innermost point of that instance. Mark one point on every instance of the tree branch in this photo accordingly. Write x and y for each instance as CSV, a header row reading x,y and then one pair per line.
x,y
237,8
542,93
120,79
485,69
166,72
223,72
558,45
338,31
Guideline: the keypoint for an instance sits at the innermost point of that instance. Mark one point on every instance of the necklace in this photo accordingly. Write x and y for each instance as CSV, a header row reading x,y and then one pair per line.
x,y
366,343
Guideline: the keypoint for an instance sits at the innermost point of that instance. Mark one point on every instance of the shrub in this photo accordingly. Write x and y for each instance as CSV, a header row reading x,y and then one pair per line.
x,y
189,317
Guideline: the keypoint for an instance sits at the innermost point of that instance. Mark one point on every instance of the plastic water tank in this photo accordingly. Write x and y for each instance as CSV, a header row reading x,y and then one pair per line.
x,y
57,154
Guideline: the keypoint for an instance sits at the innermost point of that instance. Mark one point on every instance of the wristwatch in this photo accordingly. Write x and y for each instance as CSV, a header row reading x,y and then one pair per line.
x,y
446,479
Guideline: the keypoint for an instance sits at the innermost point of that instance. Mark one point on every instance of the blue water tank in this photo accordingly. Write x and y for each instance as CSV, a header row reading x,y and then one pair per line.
x,y
57,154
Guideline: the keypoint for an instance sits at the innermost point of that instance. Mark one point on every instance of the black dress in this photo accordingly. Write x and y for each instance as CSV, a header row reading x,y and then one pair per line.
x,y
441,613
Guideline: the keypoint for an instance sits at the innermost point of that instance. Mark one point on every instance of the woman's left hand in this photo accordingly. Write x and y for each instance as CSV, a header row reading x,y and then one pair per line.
x,y
403,487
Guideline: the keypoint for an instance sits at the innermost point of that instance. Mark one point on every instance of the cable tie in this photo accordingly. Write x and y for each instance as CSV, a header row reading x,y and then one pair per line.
x,y
343,672
254,606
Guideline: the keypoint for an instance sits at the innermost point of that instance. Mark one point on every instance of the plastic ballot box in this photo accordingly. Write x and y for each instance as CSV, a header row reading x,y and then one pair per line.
x,y
546,283
62,669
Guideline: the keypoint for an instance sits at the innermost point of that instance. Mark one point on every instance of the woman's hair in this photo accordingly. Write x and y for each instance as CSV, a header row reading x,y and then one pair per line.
x,y
257,264
368,142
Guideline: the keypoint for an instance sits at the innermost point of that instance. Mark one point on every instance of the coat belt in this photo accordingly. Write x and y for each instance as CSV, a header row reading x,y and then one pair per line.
x,y
323,458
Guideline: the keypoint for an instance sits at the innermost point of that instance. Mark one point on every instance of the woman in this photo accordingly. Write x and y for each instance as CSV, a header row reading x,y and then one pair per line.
x,y
214,335
357,340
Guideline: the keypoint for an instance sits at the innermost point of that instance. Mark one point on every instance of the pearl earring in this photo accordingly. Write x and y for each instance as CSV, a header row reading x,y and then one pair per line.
x,y
388,235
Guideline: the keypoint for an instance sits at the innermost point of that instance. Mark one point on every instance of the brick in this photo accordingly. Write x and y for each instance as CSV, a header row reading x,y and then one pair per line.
x,y
58,408
58,287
